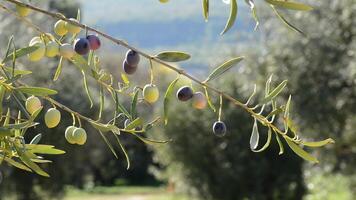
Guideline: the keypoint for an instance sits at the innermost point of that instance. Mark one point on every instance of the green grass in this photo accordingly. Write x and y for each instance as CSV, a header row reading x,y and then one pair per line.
x,y
123,192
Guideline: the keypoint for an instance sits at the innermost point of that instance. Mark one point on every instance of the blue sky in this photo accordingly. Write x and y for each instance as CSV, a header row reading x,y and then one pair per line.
x,y
177,25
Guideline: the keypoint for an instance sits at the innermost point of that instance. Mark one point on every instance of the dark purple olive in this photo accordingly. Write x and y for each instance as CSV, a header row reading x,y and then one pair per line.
x,y
185,93
94,42
132,58
81,46
219,128
128,68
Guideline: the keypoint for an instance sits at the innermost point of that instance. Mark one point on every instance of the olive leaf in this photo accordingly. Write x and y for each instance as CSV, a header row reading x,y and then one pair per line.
x,y
232,17
134,104
58,70
17,164
167,98
269,137
206,9
151,141
255,136
24,157
173,56
36,91
281,148
36,139
319,143
20,52
2,95
123,150
135,123
17,72
290,5
285,21
274,93
86,88
223,68
43,149
300,152
252,6
210,103
108,144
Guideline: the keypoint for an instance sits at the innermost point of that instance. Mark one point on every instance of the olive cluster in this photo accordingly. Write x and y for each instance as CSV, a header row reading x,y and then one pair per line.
x,y
199,101
52,116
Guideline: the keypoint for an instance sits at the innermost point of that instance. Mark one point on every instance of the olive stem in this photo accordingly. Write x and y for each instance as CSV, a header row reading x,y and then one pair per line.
x,y
59,16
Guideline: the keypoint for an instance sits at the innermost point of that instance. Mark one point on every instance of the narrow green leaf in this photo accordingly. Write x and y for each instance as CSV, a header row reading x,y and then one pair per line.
x,y
123,150
135,123
36,91
281,148
58,70
173,56
81,63
103,127
25,158
119,106
21,52
232,18
2,95
17,72
151,141
206,9
290,5
36,139
288,24
223,68
167,98
86,87
101,101
6,132
17,164
286,114
109,144
134,104
269,137
43,149
300,152
274,93
319,143
255,136
210,103
252,6
36,160
275,112
20,125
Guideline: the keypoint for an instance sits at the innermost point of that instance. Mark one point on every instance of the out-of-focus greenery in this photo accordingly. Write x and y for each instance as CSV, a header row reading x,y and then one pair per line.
x,y
321,72
224,168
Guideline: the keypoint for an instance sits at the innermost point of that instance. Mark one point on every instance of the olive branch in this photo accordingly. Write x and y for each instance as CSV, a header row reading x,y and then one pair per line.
x,y
12,144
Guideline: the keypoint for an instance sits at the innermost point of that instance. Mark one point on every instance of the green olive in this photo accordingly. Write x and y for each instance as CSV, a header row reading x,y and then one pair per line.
x,y
33,104
74,29
80,136
22,10
52,118
69,134
150,93
60,28
199,100
52,49
66,50
39,53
